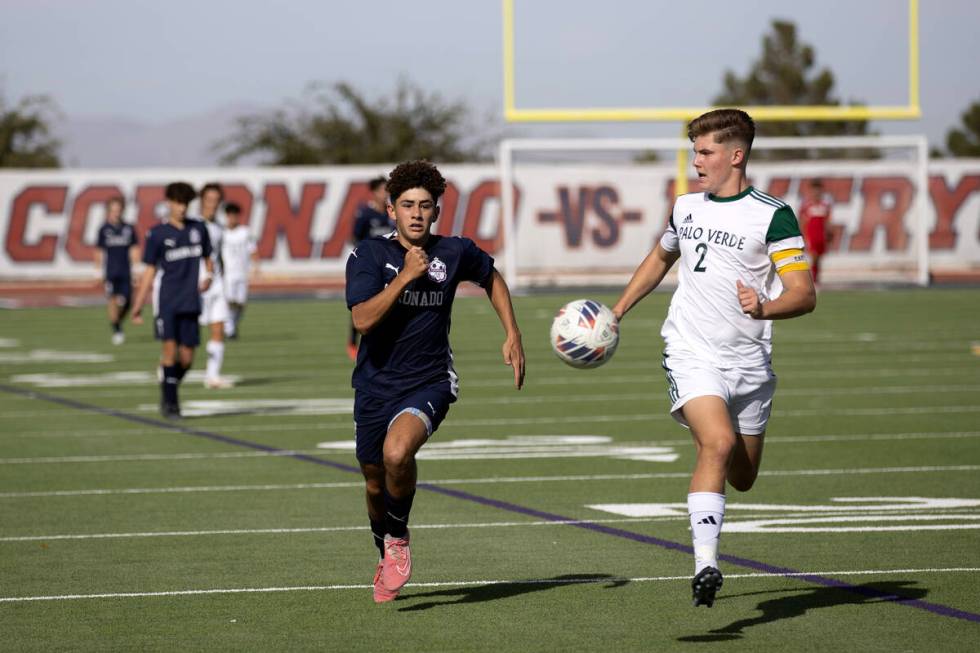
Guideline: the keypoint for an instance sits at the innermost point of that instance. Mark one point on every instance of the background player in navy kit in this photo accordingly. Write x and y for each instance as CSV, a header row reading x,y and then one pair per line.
x,y
116,247
177,248
400,290
370,220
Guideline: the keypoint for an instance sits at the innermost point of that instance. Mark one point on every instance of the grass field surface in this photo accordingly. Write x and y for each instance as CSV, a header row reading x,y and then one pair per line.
x,y
550,519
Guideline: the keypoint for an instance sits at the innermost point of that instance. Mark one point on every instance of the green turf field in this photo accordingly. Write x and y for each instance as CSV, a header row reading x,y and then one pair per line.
x,y
119,531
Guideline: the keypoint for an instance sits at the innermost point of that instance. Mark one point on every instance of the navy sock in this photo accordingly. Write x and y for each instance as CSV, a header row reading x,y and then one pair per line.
x,y
378,532
396,513
181,371
169,385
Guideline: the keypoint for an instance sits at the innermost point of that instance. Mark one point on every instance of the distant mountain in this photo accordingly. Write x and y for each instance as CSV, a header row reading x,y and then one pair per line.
x,y
123,142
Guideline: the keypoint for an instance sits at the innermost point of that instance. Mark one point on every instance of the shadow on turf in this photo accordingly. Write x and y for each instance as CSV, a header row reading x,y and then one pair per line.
x,y
790,607
481,593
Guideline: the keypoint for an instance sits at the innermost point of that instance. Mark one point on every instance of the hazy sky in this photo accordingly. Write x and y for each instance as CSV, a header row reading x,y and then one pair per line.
x,y
157,62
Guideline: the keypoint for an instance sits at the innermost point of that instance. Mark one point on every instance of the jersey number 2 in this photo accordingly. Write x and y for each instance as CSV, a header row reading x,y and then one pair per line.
x,y
702,249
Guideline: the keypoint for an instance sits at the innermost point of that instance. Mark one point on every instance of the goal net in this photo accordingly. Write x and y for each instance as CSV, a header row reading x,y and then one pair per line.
x,y
584,212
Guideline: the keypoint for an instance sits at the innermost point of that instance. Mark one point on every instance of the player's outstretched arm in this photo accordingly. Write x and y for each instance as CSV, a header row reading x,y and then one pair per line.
x,y
798,298
145,284
648,276
513,348
368,314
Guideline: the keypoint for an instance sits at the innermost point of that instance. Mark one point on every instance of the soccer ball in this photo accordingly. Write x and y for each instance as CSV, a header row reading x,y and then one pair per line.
x,y
585,333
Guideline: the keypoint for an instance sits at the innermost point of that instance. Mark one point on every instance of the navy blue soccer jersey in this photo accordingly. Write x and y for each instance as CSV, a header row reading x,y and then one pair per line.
x,y
177,253
409,348
369,223
116,240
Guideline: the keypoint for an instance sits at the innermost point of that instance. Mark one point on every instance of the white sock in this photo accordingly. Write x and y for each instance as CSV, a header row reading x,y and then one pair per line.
x,y
216,356
707,511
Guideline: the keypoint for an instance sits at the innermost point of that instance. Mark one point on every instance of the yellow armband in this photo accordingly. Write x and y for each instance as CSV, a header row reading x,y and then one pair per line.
x,y
789,260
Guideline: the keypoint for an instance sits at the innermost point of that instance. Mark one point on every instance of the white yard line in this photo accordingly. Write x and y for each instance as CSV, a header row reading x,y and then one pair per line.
x,y
653,393
480,481
476,583
44,460
729,519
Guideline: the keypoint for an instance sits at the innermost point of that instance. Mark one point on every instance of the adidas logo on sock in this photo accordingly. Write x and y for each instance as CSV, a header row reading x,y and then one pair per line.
x,y
708,520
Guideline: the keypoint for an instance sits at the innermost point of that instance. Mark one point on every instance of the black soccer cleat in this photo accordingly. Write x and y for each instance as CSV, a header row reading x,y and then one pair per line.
x,y
705,585
170,411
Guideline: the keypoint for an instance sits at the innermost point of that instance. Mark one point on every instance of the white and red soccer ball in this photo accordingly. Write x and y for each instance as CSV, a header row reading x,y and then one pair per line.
x,y
585,333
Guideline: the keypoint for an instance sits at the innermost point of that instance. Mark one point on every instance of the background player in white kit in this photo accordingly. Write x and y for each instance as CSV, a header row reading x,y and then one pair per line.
x,y
238,254
214,307
742,265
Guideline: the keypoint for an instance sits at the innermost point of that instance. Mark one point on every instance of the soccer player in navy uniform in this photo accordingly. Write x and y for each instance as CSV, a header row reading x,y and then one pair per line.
x,y
116,242
177,248
400,291
370,220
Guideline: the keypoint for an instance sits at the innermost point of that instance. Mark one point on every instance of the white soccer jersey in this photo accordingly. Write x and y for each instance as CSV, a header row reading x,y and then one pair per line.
x,y
237,248
721,240
215,235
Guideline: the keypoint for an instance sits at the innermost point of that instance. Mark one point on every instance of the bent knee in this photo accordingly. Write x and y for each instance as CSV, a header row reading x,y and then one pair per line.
x,y
397,458
718,447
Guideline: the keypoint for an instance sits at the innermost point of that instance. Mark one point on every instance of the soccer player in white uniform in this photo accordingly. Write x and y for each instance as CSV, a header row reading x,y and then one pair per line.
x,y
741,266
238,253
214,307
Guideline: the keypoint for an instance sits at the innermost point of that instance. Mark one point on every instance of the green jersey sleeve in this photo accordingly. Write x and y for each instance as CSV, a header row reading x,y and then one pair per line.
x,y
783,225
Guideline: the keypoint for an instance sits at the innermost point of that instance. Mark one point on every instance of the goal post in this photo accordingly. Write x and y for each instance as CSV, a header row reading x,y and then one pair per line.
x,y
571,190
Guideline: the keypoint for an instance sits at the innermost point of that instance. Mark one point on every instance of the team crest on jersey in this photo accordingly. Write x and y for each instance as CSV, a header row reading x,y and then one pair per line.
x,y
437,270
195,236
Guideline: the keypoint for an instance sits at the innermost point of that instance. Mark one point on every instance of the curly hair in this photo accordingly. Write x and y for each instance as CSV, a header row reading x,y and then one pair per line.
x,y
180,191
416,174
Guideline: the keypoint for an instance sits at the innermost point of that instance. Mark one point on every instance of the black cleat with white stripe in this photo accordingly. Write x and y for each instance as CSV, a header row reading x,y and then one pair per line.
x,y
705,585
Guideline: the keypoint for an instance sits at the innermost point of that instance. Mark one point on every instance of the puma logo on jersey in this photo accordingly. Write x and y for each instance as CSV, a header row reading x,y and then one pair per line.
x,y
389,265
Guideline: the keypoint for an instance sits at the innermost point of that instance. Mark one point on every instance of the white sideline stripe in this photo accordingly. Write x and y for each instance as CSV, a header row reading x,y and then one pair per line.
x,y
482,481
935,435
477,583
729,519
622,397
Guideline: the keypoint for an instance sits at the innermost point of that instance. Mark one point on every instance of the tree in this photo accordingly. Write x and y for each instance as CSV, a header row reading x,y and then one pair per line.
x,y
784,75
965,141
26,140
337,124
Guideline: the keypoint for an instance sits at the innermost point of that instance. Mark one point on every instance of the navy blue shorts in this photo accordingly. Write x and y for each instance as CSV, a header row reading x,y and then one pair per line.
x,y
119,287
374,415
181,327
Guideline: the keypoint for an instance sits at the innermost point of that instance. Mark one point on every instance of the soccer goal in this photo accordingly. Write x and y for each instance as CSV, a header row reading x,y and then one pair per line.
x,y
584,212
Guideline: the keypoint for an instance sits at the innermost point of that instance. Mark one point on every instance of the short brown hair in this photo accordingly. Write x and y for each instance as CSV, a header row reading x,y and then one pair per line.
x,y
726,124
215,186
416,174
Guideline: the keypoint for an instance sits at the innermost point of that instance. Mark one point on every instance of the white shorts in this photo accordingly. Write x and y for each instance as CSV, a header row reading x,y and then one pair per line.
x,y
747,391
214,307
236,291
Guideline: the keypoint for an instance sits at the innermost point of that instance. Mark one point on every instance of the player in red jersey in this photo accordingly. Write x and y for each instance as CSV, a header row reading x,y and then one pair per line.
x,y
815,218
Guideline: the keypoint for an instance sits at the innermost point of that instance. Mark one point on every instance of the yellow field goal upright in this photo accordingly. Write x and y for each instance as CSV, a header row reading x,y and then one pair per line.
x,y
512,113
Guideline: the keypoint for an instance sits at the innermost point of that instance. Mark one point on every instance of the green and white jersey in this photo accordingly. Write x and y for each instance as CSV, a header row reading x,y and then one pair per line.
x,y
723,239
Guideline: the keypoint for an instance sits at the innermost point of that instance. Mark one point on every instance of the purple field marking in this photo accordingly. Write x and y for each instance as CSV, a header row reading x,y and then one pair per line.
x,y
869,592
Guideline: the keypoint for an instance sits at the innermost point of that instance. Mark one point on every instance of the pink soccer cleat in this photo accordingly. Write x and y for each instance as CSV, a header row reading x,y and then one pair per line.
x,y
397,563
382,595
